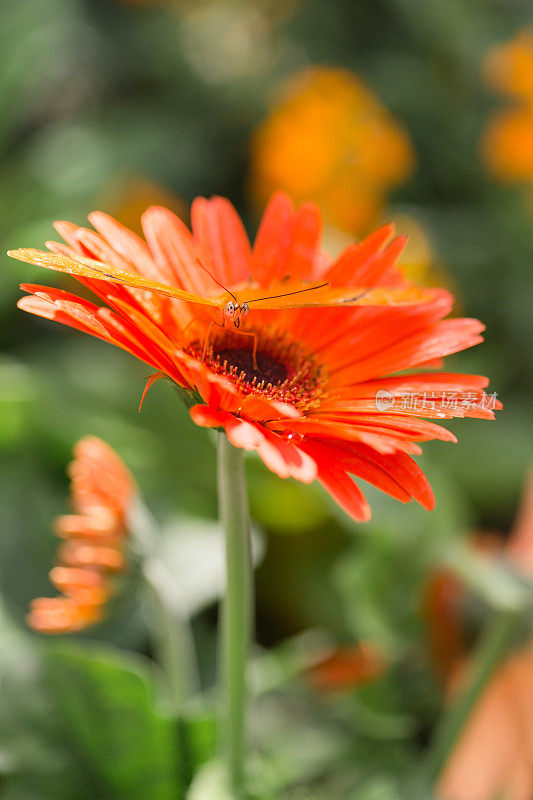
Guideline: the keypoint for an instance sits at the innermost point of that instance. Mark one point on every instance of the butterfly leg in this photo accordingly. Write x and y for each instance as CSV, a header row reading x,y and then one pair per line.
x,y
206,342
254,349
241,333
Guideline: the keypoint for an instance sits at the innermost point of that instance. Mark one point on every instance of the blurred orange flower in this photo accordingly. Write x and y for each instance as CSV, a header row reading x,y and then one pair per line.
x,y
102,491
312,389
494,755
508,140
509,67
347,668
328,139
442,608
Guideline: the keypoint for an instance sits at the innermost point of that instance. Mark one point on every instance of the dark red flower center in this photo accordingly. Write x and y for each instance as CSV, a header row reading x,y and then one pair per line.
x,y
280,368
265,370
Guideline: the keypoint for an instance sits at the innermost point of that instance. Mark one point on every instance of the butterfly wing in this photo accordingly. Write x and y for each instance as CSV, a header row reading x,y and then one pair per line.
x,y
285,295
91,268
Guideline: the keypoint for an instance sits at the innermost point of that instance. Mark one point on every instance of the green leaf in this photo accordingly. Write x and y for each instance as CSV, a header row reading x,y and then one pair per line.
x,y
86,725
200,737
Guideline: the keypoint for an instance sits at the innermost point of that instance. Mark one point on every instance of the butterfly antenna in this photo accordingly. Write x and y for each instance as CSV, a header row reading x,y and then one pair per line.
x,y
357,297
287,294
216,281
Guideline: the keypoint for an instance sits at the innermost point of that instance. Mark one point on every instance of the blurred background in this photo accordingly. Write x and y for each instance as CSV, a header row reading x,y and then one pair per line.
x,y
379,110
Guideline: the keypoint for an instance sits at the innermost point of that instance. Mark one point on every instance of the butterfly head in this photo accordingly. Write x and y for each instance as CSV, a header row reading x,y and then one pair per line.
x,y
235,312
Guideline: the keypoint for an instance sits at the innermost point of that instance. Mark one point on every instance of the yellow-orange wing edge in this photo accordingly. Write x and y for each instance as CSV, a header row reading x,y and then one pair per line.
x,y
90,268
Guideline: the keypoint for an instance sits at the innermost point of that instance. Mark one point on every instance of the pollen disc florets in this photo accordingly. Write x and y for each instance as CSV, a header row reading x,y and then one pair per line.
x,y
281,370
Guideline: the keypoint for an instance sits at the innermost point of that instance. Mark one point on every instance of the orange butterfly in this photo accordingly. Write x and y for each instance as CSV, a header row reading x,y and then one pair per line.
x,y
234,305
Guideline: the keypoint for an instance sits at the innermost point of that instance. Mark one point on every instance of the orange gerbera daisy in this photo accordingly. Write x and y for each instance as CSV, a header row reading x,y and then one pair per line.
x,y
102,492
318,391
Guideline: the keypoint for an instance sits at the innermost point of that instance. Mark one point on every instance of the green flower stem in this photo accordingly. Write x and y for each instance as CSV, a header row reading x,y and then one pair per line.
x,y
171,632
495,643
173,642
236,623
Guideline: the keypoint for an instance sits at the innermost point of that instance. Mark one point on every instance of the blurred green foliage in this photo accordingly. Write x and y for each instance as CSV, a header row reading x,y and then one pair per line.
x,y
93,94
